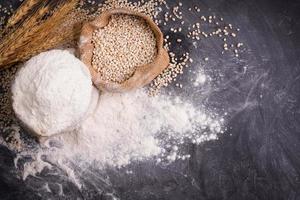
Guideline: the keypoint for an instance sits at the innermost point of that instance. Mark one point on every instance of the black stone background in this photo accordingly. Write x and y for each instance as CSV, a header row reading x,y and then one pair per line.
x,y
258,157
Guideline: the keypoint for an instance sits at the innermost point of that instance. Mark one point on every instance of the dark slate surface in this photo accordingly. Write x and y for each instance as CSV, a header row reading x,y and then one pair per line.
x,y
257,158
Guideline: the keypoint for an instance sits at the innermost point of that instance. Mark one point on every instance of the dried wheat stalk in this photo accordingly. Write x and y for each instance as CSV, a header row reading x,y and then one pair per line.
x,y
36,34
22,11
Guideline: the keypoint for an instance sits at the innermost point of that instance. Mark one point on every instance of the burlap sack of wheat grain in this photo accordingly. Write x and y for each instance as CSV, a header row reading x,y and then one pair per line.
x,y
143,74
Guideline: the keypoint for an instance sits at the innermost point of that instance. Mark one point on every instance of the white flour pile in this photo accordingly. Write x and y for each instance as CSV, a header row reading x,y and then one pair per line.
x,y
52,92
124,128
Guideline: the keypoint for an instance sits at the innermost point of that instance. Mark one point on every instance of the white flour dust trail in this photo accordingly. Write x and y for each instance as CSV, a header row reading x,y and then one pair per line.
x,y
125,128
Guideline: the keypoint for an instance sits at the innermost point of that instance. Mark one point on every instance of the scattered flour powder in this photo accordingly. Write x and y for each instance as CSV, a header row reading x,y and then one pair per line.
x,y
124,128
121,129
201,78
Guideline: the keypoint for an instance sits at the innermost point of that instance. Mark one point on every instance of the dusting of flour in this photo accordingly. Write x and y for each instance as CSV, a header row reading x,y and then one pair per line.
x,y
125,128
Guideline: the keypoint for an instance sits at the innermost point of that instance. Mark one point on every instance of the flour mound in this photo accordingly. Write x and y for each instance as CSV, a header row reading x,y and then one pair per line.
x,y
51,92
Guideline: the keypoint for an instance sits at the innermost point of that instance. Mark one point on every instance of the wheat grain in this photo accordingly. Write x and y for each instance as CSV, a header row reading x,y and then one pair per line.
x,y
126,43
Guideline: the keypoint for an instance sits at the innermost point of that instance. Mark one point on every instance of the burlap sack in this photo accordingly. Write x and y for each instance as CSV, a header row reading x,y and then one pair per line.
x,y
143,74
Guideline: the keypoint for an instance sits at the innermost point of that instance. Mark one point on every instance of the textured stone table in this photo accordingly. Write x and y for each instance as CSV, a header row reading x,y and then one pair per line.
x,y
257,158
